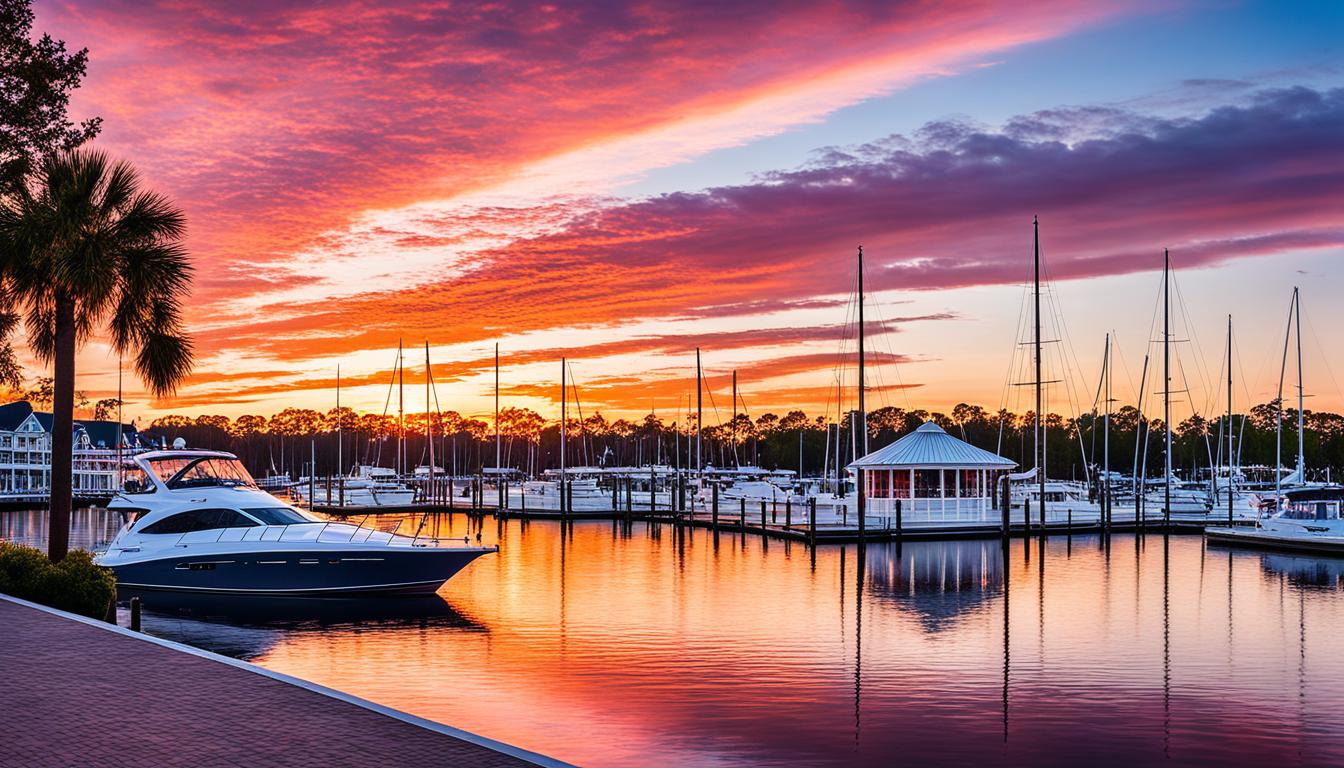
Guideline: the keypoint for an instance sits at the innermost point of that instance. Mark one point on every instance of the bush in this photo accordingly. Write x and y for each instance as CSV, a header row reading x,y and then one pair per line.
x,y
75,584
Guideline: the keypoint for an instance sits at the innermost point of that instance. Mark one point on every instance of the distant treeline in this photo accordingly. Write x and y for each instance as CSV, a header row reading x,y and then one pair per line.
x,y
532,443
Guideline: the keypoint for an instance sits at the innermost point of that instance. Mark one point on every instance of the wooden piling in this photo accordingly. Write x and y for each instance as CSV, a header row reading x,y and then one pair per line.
x,y
715,506
898,518
135,614
788,514
762,517
1006,506
742,514
629,504
1069,523
812,521
1026,515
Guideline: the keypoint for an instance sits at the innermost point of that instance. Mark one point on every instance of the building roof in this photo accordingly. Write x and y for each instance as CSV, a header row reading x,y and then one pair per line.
x,y
930,446
13,414
103,434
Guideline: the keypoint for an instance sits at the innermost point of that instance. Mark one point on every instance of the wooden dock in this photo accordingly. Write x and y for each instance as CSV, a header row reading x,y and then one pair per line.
x,y
798,523
81,692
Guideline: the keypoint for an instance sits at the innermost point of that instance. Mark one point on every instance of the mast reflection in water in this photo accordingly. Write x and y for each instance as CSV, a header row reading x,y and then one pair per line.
x,y
651,646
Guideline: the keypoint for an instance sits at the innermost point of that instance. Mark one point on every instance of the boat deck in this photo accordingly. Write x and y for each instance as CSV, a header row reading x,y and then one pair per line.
x,y
81,693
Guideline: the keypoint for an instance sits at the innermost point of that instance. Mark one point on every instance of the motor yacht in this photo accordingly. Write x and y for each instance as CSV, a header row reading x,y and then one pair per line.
x,y
197,522
1304,519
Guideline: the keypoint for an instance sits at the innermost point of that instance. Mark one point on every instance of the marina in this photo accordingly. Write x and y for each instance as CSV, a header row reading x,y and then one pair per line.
x,y
717,385
951,651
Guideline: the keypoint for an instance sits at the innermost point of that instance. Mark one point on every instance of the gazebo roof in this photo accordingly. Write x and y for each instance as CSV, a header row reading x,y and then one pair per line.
x,y
930,446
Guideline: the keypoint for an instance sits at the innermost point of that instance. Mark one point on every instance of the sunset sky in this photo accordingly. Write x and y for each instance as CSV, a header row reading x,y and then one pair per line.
x,y
620,184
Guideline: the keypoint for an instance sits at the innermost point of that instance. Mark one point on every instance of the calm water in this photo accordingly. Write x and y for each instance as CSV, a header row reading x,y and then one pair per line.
x,y
658,647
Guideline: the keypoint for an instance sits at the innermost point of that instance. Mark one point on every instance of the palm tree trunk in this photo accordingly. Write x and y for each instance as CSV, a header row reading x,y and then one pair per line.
x,y
62,430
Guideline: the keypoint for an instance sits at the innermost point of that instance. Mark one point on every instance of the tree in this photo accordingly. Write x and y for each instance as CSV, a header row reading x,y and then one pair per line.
x,y
248,426
36,79
41,393
90,250
106,409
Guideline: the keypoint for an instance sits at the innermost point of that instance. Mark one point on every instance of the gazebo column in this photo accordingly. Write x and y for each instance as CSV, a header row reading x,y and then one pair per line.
x,y
957,482
942,490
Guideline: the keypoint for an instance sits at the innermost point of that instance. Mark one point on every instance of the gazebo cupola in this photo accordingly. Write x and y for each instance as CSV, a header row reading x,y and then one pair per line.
x,y
931,471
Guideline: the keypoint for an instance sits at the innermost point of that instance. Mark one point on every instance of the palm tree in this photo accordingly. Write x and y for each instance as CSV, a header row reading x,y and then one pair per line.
x,y
86,251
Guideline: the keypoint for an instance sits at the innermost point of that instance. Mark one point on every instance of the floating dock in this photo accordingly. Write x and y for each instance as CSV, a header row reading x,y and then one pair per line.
x,y
82,692
781,520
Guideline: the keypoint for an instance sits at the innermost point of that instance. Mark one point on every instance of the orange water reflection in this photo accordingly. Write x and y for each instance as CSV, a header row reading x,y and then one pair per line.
x,y
604,646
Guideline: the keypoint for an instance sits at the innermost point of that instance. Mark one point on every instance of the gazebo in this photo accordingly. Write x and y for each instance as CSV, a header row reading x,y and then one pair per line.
x,y
935,475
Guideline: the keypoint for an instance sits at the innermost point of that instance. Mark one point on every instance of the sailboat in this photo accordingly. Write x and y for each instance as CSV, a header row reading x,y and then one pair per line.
x,y
366,485
1299,515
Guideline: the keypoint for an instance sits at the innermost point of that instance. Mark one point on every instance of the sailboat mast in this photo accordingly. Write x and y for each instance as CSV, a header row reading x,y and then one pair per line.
x,y
736,461
699,403
401,412
839,420
1106,433
1301,455
1166,374
340,443
1229,420
1039,448
429,421
564,399
497,442
121,421
1278,411
861,491
1140,435
863,411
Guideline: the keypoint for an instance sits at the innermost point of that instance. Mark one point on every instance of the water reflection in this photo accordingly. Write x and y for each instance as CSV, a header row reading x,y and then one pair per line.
x,y
91,528
939,582
611,644
1306,572
250,627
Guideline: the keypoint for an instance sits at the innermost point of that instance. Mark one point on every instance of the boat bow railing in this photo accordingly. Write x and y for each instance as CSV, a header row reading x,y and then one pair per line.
x,y
371,536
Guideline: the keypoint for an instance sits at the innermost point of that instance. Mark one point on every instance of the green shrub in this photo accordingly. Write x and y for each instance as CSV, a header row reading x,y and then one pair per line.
x,y
75,584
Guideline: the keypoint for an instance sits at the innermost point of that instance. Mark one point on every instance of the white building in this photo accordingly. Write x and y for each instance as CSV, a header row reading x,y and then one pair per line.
x,y
934,476
25,454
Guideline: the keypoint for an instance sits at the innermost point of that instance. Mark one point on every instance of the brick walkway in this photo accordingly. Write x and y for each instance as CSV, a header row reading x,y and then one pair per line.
x,y
77,695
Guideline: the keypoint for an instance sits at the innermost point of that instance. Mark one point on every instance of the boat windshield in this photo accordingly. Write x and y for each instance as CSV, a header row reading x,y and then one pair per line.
x,y
201,472
278,515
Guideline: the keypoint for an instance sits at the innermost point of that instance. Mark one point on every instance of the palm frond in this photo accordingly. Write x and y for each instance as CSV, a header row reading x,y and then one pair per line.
x,y
163,362
87,235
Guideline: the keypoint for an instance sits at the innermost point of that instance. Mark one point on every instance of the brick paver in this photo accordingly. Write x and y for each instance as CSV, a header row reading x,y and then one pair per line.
x,y
76,695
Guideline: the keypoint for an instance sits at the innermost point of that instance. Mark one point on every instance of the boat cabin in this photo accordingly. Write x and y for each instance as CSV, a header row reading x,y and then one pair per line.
x,y
156,471
1321,503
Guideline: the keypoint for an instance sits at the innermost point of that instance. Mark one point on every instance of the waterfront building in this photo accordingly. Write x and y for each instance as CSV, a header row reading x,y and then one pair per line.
x,y
934,476
25,454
